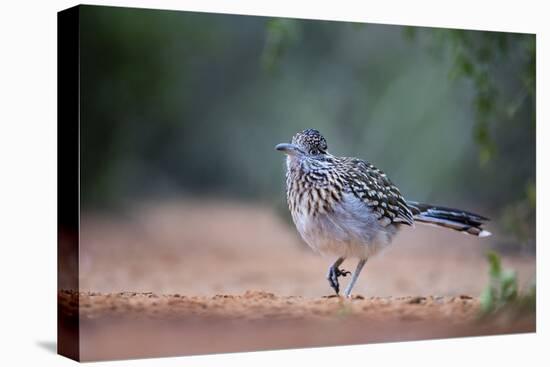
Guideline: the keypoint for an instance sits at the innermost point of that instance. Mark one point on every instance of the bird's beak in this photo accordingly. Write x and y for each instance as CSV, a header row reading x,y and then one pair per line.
x,y
289,149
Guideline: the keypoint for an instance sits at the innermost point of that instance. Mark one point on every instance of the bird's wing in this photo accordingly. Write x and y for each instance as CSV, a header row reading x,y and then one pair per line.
x,y
374,188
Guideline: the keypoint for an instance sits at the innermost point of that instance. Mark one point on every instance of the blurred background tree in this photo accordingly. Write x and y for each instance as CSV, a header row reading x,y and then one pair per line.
x,y
180,103
501,66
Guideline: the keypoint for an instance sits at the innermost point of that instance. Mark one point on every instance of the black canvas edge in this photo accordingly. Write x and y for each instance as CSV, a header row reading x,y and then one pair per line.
x,y
68,169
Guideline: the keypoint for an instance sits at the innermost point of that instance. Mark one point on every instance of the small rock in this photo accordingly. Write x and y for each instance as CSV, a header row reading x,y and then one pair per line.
x,y
417,300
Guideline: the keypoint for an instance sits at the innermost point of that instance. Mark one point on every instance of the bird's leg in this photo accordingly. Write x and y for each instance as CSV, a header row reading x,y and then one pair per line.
x,y
334,273
358,269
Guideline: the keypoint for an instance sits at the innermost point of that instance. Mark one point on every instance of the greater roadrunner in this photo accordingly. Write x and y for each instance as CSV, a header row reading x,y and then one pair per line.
x,y
347,208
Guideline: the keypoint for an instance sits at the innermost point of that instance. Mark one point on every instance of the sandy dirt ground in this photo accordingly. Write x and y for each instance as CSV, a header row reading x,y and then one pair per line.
x,y
131,325
204,277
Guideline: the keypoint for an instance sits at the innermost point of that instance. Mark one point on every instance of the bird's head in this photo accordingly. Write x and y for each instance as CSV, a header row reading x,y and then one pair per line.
x,y
308,143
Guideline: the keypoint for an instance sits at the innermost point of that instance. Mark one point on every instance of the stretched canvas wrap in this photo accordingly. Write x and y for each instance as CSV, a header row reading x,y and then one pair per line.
x,y
235,183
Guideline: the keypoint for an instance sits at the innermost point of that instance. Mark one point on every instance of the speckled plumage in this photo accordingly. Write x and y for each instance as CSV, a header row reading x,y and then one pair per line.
x,y
346,207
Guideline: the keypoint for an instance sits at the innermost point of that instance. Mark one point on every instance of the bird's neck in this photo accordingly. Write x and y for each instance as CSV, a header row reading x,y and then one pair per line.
x,y
312,173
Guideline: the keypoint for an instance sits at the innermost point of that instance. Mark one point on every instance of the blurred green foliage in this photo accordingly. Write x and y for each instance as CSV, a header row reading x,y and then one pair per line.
x,y
502,290
280,35
502,67
181,103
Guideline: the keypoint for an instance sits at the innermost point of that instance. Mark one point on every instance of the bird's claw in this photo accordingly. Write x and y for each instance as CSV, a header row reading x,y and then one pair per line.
x,y
333,275
342,273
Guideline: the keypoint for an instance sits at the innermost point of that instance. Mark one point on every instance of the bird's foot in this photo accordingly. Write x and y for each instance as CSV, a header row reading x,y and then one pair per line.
x,y
333,274
342,273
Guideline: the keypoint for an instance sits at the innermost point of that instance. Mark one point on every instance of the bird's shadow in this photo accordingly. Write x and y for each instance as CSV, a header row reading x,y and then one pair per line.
x,y
48,345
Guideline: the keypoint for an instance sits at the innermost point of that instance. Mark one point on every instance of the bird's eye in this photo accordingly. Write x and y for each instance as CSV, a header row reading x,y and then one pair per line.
x,y
314,151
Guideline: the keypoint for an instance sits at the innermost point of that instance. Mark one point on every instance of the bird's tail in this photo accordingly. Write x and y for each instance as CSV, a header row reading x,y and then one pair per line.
x,y
456,219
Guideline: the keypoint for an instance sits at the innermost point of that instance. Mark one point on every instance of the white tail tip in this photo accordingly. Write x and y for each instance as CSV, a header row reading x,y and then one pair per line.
x,y
484,233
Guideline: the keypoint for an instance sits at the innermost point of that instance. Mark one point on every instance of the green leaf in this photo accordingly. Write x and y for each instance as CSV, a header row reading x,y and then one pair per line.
x,y
509,288
487,300
494,265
